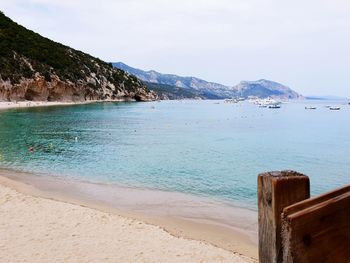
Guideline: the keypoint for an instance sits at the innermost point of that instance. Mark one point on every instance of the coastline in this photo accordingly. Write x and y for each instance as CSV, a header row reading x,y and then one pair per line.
x,y
6,105
196,227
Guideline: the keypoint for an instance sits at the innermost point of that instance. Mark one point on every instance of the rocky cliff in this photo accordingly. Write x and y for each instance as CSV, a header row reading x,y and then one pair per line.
x,y
35,68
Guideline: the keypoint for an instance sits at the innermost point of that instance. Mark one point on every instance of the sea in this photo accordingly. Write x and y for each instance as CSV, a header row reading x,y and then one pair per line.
x,y
205,149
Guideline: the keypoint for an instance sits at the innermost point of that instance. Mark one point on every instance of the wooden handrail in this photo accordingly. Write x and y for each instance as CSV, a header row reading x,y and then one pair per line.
x,y
294,228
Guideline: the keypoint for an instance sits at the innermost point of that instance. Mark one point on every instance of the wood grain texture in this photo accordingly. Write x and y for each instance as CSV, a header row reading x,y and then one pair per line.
x,y
277,190
315,200
318,229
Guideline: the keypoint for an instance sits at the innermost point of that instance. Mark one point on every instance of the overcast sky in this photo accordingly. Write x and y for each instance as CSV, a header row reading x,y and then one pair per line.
x,y
304,44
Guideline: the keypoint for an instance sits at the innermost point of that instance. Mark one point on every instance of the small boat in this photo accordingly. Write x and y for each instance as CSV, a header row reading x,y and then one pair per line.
x,y
310,108
275,106
334,108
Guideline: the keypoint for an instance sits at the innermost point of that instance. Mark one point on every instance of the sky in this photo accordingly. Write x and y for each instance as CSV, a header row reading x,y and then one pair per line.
x,y
304,44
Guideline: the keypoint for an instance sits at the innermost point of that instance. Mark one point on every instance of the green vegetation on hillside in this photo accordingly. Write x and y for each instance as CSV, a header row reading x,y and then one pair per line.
x,y
23,53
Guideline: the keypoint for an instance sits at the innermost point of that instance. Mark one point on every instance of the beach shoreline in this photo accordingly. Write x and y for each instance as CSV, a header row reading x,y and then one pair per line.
x,y
7,105
195,227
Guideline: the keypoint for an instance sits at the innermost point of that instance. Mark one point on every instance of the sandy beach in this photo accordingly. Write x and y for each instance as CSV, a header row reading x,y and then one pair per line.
x,y
29,104
4,105
38,229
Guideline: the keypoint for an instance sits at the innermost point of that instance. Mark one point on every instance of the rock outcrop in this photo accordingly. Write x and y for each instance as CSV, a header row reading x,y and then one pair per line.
x,y
39,89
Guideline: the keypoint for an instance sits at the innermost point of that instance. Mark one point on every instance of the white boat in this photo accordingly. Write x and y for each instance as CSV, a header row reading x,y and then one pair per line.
x,y
310,108
334,108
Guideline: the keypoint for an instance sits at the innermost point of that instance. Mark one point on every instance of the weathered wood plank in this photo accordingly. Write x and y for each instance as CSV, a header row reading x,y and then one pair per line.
x,y
318,229
315,200
276,190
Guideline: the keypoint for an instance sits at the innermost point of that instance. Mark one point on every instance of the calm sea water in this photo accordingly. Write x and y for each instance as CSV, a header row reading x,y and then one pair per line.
x,y
196,147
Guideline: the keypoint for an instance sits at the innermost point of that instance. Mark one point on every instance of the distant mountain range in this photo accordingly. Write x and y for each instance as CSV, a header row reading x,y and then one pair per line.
x,y
190,87
194,87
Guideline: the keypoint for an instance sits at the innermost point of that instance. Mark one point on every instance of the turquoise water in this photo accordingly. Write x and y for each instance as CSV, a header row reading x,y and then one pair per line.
x,y
196,147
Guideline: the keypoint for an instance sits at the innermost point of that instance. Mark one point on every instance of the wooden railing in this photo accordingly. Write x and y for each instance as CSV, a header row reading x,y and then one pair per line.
x,y
294,228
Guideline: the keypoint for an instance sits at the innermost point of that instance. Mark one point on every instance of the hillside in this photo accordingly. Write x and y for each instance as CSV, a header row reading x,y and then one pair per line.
x,y
35,68
211,90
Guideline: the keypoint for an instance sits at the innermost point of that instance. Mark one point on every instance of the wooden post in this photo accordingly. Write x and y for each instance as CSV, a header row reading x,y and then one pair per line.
x,y
318,229
276,190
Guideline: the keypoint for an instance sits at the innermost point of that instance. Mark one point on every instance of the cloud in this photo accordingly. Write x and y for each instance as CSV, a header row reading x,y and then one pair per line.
x,y
301,43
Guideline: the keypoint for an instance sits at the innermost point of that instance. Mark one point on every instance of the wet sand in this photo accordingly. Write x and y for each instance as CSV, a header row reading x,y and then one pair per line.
x,y
181,216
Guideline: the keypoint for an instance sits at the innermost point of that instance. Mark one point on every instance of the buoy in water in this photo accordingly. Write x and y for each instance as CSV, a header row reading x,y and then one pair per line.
x,y
76,139
31,149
